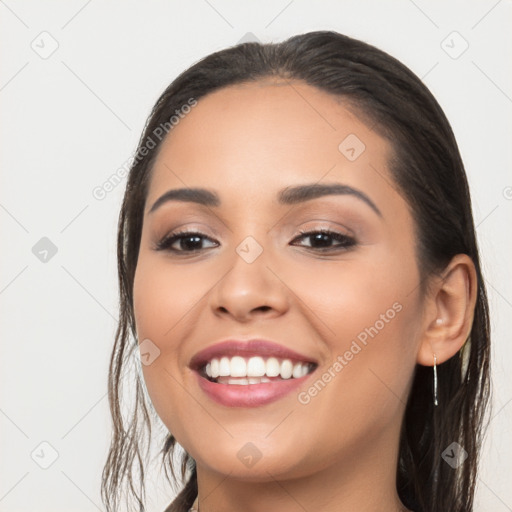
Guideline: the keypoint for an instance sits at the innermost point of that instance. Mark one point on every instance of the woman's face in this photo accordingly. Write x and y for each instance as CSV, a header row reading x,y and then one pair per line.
x,y
350,304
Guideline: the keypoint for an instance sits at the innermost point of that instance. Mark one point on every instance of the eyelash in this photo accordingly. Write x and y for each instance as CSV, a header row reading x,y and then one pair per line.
x,y
346,242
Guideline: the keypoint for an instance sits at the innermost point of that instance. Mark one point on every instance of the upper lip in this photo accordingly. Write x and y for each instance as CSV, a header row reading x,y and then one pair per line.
x,y
248,348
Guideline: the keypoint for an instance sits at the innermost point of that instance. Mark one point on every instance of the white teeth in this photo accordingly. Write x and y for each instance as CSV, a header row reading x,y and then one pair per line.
x,y
273,367
297,371
238,381
286,369
254,368
243,381
238,367
224,367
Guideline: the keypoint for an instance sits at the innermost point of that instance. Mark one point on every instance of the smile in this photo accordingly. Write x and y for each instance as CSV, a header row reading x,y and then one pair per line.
x,y
250,373
238,370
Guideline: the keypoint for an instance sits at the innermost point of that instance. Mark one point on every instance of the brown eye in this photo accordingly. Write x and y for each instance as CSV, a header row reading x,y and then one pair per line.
x,y
192,241
187,241
322,239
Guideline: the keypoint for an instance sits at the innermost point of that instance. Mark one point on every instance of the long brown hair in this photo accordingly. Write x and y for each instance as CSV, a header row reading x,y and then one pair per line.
x,y
428,170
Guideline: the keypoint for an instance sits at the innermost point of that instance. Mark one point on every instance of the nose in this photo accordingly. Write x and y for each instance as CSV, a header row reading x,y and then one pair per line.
x,y
249,290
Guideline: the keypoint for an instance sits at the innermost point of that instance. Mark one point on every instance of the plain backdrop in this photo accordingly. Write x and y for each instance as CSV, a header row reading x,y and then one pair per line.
x,y
77,81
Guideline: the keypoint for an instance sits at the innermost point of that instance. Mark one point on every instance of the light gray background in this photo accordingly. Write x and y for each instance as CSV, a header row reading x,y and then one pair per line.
x,y
71,119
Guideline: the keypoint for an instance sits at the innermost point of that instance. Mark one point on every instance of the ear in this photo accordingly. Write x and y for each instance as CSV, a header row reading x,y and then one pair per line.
x,y
449,311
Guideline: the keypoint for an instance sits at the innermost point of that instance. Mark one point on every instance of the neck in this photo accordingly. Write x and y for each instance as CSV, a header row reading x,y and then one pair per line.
x,y
364,480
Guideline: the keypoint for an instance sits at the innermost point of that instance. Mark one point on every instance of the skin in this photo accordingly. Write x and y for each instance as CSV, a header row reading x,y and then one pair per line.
x,y
338,452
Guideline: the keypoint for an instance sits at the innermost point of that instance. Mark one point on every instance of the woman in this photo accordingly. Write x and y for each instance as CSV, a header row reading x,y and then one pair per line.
x,y
299,267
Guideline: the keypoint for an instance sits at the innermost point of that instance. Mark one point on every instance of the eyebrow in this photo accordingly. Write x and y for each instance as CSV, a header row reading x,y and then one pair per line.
x,y
287,196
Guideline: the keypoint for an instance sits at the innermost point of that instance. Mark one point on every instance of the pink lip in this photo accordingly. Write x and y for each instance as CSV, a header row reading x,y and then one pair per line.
x,y
251,395
254,347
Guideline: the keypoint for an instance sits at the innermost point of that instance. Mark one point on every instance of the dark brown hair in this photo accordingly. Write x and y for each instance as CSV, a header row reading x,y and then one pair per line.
x,y
427,169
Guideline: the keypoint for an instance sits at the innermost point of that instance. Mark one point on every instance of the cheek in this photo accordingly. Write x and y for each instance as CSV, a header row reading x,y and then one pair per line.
x,y
162,295
368,324
367,316
352,295
167,299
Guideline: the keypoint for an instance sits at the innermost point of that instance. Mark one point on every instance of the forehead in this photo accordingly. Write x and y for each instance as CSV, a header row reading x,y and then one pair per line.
x,y
266,135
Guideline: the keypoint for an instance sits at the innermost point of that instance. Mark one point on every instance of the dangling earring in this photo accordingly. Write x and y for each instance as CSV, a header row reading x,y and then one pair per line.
x,y
435,381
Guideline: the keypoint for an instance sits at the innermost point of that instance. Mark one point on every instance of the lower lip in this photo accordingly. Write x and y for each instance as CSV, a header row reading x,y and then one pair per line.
x,y
249,395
